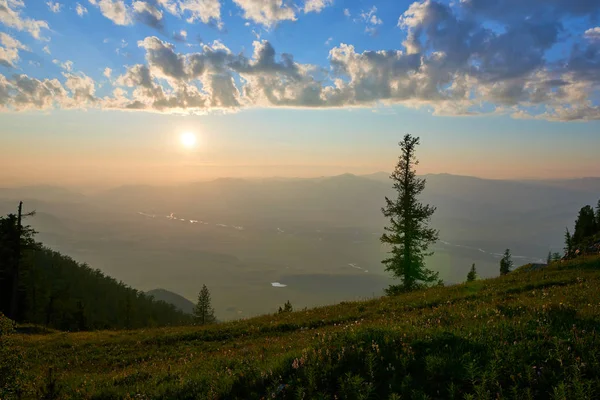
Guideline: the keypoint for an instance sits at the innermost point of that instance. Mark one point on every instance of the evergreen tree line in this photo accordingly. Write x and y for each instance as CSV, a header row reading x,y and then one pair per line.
x,y
41,286
586,236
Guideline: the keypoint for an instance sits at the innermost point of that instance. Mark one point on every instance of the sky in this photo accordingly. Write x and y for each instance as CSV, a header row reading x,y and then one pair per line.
x,y
98,92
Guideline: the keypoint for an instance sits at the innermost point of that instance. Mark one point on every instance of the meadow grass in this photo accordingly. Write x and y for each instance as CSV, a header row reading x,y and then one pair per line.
x,y
527,335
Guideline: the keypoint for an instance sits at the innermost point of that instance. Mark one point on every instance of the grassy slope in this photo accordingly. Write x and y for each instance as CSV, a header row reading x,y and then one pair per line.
x,y
526,335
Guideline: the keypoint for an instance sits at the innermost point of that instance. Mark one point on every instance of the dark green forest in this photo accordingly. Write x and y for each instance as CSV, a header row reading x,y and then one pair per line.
x,y
56,291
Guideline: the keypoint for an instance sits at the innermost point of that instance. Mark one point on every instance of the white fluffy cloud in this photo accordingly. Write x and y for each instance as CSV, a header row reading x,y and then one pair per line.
x,y
9,50
316,5
10,16
266,12
115,10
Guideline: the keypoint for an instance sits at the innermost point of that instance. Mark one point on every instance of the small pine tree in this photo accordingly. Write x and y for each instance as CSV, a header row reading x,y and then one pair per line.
x,y
568,244
472,275
549,259
506,263
287,307
409,234
556,256
203,312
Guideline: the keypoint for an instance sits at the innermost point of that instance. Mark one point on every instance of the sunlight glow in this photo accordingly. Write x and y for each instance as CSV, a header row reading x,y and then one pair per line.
x,y
188,139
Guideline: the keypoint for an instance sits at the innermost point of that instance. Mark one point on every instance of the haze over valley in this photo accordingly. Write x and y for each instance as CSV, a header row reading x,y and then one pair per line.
x,y
260,242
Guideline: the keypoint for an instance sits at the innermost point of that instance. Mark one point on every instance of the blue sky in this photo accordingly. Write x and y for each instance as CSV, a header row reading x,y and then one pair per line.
x,y
304,87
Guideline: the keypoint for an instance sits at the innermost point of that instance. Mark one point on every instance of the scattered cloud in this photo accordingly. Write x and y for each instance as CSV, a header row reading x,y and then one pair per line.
x,y
266,12
455,60
46,50
146,13
67,65
347,13
9,50
54,6
115,10
316,5
371,20
206,11
80,10
180,36
10,16
328,41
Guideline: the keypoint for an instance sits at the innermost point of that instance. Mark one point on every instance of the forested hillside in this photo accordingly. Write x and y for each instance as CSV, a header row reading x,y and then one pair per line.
x,y
55,291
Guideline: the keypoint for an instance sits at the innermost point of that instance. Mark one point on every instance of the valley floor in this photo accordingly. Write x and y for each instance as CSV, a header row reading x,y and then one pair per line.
x,y
528,335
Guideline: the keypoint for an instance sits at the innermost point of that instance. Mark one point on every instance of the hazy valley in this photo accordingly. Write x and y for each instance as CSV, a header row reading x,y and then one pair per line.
x,y
317,238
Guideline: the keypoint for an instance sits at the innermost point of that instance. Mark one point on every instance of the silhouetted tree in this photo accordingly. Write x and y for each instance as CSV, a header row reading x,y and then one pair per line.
x,y
15,240
549,258
506,263
585,226
556,256
408,233
287,307
203,312
472,275
569,252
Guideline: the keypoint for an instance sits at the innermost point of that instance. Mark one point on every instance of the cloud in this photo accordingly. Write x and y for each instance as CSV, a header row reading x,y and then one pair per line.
x,y
46,50
115,10
9,50
266,12
347,12
24,93
206,11
328,41
82,89
180,36
453,61
54,6
593,33
107,72
80,10
67,65
146,13
517,10
10,16
371,20
316,5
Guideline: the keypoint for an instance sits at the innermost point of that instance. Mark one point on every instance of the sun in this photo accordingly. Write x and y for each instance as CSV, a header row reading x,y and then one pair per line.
x,y
188,139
